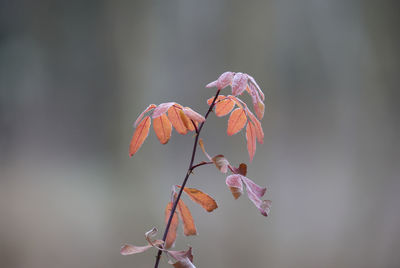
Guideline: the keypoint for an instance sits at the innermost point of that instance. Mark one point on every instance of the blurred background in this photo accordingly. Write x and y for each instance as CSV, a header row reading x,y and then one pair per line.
x,y
74,75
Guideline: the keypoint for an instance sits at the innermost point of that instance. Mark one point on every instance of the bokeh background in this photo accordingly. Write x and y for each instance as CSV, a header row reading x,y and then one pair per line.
x,y
74,75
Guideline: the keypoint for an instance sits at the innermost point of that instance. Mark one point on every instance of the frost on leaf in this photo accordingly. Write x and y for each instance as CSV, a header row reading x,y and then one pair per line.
x,y
236,121
163,128
239,83
171,237
223,105
234,182
193,115
221,163
197,196
139,136
162,109
148,109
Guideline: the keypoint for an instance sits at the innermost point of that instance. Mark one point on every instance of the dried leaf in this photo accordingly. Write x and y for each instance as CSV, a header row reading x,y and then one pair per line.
x,y
188,223
201,198
130,249
181,259
221,163
203,149
163,128
251,139
234,182
162,109
239,83
176,119
171,237
149,108
185,263
243,169
193,115
139,136
255,188
236,121
255,192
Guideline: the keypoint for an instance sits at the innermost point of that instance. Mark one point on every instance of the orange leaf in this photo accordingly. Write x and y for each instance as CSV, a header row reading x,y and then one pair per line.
x,y
171,237
224,107
251,139
163,128
188,223
176,119
140,134
220,97
258,127
187,122
236,121
207,202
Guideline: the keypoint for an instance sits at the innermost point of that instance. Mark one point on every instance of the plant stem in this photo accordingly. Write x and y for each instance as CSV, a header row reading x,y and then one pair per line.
x,y
189,171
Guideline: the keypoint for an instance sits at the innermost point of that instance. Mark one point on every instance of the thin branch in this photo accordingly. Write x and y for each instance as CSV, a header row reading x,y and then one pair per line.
x,y
186,177
201,164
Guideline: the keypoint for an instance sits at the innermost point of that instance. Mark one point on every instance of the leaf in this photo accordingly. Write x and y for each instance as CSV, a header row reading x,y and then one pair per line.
x,y
130,249
258,128
188,223
255,192
207,202
203,149
193,115
221,163
163,128
239,83
171,237
251,139
149,108
236,121
254,83
224,107
187,122
162,109
181,259
234,182
176,119
259,108
139,136
219,98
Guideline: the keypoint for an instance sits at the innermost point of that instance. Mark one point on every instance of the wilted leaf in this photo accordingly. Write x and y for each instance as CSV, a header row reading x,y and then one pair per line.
x,y
234,182
185,263
255,193
163,128
251,139
221,163
201,198
149,108
255,188
130,249
139,136
176,120
236,121
171,237
188,223
243,169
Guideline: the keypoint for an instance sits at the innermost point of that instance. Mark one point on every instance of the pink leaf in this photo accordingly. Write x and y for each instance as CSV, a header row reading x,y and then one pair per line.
x,y
193,115
225,80
212,84
162,109
181,259
253,81
149,108
239,83
255,188
130,249
234,182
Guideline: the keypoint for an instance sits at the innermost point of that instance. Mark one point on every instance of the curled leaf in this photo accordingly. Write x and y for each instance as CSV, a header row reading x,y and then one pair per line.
x,y
193,115
176,119
221,163
234,182
188,223
171,237
140,135
149,108
181,259
251,139
207,202
236,121
163,128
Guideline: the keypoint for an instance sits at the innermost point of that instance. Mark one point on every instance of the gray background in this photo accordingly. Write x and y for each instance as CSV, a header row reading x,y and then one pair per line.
x,y
74,75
